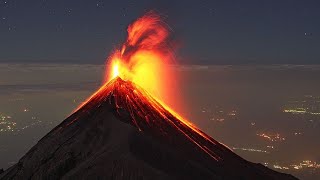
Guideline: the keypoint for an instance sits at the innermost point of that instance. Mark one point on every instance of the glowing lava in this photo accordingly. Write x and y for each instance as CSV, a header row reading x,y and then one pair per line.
x,y
138,71
143,59
136,106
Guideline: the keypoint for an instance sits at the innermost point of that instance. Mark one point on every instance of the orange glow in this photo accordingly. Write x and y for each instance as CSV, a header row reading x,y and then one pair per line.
x,y
141,65
144,56
115,69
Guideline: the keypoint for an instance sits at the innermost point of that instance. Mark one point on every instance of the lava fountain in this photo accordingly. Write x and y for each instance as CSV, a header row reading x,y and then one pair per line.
x,y
143,59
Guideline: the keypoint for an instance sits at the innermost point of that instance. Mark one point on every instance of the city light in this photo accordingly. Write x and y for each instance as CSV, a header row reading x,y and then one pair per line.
x,y
272,137
305,164
6,124
306,105
250,150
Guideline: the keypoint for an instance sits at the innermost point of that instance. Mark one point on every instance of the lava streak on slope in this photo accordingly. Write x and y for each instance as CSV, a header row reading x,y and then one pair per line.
x,y
150,116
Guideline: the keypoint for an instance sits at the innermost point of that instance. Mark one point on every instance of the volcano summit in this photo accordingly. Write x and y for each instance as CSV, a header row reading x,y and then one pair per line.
x,y
124,133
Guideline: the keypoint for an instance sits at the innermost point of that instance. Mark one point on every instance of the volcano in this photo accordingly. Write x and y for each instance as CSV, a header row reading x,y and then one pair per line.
x,y
122,132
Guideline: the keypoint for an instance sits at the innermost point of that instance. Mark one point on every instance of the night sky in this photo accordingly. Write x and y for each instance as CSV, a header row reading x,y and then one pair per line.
x,y
208,32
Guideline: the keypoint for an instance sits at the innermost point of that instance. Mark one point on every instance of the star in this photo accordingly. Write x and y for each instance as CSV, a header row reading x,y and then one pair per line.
x,y
307,34
69,11
12,28
99,4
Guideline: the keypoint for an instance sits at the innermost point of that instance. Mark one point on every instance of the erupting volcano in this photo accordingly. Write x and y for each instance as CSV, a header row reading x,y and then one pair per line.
x,y
126,131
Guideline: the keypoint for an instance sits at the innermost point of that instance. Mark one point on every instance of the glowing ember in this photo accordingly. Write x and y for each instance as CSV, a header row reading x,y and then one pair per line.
x,y
139,66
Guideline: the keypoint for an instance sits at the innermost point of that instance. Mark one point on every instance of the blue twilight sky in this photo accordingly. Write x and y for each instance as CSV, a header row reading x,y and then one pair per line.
x,y
208,32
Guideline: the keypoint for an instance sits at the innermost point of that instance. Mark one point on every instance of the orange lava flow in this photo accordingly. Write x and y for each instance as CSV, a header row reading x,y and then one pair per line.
x,y
142,60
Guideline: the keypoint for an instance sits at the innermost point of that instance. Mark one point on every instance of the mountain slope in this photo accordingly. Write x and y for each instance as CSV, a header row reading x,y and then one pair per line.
x,y
123,133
